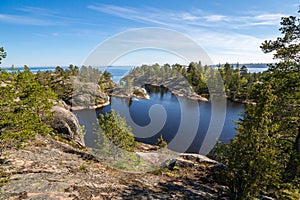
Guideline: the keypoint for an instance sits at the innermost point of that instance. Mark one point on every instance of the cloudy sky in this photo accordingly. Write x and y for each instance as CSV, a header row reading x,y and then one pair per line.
x,y
50,33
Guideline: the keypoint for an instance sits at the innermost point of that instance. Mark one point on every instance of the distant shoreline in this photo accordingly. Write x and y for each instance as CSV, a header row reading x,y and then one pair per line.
x,y
248,65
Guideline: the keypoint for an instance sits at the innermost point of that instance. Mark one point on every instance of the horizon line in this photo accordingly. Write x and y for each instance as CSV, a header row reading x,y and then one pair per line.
x,y
65,66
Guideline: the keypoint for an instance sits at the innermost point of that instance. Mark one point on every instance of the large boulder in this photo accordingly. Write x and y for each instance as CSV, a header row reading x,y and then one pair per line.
x,y
66,124
136,91
189,160
140,93
88,95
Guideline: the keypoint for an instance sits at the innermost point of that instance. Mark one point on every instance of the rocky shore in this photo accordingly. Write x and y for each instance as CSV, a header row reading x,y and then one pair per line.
x,y
180,90
88,95
130,93
192,96
140,92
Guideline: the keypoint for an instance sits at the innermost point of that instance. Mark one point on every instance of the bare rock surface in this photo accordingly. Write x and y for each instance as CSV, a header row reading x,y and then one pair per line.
x,y
50,169
66,124
129,93
140,93
88,95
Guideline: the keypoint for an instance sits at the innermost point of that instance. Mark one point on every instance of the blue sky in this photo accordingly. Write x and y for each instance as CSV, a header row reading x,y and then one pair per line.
x,y
50,33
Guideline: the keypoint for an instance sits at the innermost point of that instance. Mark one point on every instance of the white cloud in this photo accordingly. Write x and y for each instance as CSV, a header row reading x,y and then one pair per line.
x,y
111,8
18,19
215,18
194,17
36,16
189,17
231,47
128,13
268,19
37,10
223,45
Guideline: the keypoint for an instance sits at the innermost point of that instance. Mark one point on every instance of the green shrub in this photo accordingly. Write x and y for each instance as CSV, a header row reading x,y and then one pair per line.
x,y
161,142
117,131
25,107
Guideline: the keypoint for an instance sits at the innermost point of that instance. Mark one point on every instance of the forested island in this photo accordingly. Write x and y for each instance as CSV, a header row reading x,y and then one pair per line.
x,y
43,154
197,81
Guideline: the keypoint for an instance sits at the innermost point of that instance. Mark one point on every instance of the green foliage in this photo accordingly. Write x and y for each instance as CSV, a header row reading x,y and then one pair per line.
x,y
117,131
24,107
238,83
161,142
116,144
171,174
82,167
287,47
2,54
62,80
251,156
284,77
202,80
105,82
82,131
4,178
244,71
264,157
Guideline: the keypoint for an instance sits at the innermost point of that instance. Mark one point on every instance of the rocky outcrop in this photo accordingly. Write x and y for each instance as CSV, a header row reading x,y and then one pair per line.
x,y
66,124
181,92
3,84
88,96
49,169
197,97
140,93
170,160
133,92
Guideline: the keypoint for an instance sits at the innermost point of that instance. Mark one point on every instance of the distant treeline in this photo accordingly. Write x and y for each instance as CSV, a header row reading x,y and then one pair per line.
x,y
237,81
248,65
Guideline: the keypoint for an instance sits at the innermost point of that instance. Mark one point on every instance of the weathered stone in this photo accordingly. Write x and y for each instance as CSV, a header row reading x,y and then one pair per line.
x,y
66,124
198,158
140,93
134,92
88,96
49,169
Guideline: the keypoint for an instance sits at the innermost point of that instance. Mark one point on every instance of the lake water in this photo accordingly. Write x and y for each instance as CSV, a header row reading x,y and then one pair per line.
x,y
167,111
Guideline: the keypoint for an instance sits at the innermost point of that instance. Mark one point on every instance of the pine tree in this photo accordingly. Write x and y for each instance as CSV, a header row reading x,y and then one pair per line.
x,y
24,107
2,54
264,157
117,131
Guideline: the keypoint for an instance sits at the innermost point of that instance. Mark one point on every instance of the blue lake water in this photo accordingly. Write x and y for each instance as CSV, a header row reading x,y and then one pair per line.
x,y
196,122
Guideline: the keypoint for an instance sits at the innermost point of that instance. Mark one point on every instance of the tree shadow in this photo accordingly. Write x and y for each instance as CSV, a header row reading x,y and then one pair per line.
x,y
177,188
